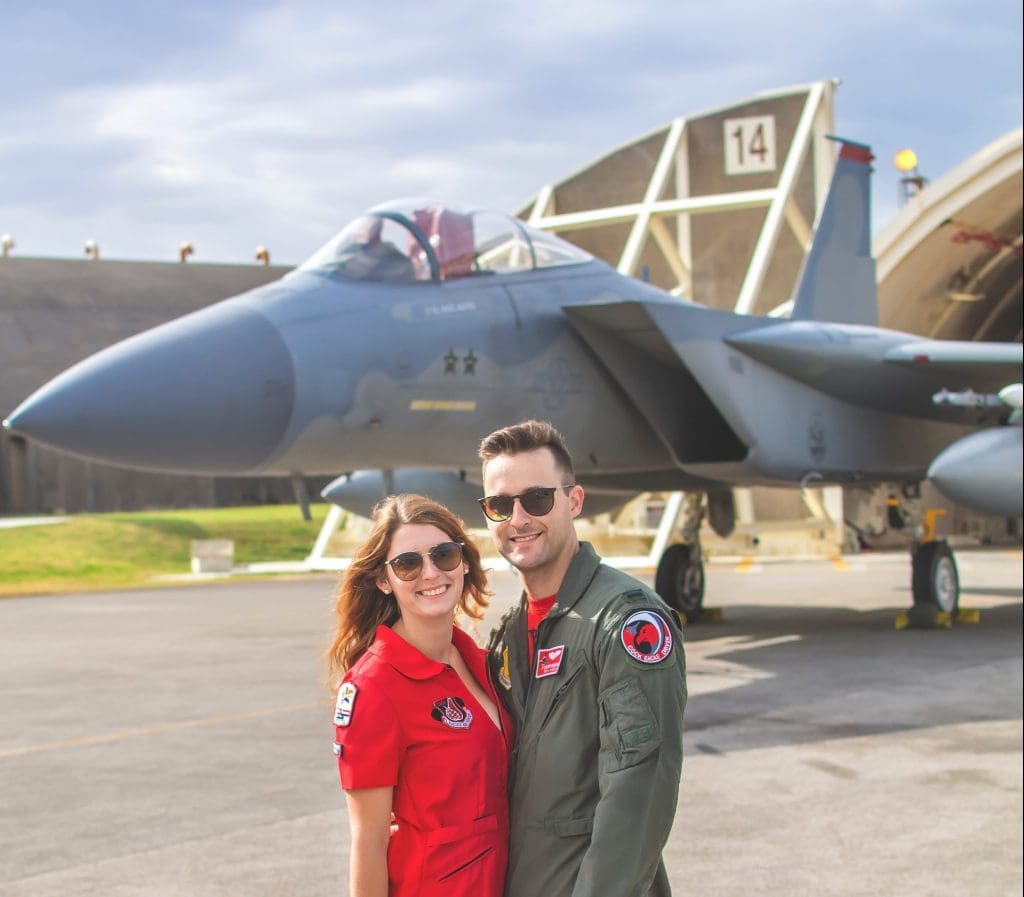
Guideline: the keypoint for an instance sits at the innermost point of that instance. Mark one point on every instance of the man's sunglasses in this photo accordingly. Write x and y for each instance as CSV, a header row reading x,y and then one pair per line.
x,y
536,502
409,564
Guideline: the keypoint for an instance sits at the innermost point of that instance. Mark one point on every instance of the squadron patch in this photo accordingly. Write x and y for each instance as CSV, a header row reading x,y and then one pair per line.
x,y
549,661
646,636
346,704
453,712
504,675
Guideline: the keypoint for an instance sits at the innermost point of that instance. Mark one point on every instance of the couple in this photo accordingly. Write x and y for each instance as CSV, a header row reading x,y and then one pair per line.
x,y
547,765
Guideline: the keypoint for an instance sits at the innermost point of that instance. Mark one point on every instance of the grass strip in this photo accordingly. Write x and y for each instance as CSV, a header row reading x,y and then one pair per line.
x,y
126,550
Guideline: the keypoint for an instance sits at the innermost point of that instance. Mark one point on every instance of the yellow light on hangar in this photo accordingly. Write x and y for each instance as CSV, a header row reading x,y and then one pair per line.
x,y
905,160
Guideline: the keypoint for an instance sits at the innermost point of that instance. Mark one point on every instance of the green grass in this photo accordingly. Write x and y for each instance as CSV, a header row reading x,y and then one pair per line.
x,y
109,551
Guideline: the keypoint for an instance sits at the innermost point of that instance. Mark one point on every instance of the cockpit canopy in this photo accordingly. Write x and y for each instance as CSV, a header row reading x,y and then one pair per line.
x,y
423,240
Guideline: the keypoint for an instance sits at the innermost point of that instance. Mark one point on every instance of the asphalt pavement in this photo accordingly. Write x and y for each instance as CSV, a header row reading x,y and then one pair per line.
x,y
177,741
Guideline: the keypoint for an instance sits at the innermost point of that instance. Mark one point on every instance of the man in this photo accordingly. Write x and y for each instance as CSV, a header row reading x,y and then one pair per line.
x,y
590,664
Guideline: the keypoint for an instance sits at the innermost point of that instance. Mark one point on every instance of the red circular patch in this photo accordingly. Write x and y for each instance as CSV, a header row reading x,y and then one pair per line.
x,y
646,636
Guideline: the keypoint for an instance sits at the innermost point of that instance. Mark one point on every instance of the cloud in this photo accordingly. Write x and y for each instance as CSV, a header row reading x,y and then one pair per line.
x,y
236,123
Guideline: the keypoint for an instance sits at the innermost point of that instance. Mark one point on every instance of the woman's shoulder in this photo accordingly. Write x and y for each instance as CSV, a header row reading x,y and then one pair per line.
x,y
369,667
368,683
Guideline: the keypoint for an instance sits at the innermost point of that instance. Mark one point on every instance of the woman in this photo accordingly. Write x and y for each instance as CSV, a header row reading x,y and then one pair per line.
x,y
420,732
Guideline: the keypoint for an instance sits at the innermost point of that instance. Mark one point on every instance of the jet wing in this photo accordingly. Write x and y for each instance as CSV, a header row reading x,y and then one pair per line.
x,y
668,357
887,370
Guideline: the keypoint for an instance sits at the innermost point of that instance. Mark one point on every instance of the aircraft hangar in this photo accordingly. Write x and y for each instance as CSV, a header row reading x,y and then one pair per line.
x,y
719,208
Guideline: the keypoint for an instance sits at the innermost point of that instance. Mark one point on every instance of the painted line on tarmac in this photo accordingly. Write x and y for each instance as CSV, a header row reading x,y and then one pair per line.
x,y
125,734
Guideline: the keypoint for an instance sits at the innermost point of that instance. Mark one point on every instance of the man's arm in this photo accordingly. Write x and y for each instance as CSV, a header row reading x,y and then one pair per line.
x,y
641,703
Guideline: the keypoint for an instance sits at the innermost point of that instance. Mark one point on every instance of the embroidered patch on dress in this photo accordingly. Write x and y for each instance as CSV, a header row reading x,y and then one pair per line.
x,y
646,636
549,661
346,704
453,712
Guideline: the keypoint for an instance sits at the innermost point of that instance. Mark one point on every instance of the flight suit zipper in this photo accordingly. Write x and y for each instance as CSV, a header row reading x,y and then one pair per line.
x,y
562,689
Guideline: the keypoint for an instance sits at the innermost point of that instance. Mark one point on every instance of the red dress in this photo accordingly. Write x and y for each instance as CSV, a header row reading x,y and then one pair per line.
x,y
407,721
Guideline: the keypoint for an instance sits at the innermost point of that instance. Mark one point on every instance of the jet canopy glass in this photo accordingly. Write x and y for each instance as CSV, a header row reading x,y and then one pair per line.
x,y
423,240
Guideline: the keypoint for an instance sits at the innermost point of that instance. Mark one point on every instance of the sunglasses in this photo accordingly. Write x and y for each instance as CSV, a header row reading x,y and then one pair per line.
x,y
409,564
536,502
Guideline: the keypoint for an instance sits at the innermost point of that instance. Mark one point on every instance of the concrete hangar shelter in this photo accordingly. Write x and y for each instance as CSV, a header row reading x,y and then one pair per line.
x,y
718,207
56,312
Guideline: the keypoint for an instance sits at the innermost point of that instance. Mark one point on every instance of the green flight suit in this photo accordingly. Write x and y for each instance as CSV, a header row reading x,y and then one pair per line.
x,y
599,742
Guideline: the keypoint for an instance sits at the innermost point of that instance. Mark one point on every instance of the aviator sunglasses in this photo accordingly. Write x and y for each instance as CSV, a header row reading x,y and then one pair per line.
x,y
409,564
536,502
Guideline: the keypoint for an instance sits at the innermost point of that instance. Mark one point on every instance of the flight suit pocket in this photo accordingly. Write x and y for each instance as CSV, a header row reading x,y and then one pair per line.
x,y
628,727
569,828
461,854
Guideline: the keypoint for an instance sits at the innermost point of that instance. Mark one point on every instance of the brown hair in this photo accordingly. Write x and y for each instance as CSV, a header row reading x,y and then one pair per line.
x,y
360,605
527,436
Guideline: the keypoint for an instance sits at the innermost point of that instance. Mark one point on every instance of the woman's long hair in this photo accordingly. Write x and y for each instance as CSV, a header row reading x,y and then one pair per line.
x,y
361,606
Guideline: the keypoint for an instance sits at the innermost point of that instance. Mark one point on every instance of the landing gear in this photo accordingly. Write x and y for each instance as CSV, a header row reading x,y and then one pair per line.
x,y
680,576
680,579
935,581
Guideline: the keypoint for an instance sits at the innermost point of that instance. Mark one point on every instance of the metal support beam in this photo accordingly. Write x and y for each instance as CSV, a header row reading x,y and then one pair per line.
x,y
638,235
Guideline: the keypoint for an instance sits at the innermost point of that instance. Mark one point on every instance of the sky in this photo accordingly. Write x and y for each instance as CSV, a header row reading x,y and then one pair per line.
x,y
231,124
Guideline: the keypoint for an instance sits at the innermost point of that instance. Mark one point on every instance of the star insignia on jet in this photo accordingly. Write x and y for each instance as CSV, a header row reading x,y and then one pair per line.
x,y
469,363
450,361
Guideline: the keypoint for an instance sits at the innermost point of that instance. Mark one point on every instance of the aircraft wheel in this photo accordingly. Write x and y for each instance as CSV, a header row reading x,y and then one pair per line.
x,y
935,579
680,579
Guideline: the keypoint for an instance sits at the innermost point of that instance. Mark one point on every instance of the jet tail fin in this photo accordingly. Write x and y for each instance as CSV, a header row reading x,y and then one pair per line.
x,y
837,282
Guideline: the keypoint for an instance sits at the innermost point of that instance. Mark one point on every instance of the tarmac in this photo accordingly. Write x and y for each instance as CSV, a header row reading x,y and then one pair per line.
x,y
177,741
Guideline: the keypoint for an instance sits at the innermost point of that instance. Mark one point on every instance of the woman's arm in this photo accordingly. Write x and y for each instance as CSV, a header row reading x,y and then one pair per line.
x,y
369,813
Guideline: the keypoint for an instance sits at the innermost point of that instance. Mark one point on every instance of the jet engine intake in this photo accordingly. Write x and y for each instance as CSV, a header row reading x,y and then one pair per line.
x,y
358,492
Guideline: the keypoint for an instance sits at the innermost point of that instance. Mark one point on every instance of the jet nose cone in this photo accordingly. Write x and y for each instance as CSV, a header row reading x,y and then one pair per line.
x,y
211,392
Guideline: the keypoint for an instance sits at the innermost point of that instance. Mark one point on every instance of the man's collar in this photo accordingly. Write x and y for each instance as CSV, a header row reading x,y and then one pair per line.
x,y
581,571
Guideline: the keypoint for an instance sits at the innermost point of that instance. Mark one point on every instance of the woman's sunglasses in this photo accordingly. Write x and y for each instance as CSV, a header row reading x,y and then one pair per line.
x,y
536,502
409,564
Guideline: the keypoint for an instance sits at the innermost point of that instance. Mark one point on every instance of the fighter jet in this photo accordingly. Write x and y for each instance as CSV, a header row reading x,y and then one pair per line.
x,y
423,326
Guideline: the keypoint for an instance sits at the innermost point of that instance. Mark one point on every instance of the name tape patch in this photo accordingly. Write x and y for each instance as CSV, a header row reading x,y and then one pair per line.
x,y
549,661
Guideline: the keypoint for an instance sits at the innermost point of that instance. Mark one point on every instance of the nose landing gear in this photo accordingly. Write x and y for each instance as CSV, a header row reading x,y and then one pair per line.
x,y
680,576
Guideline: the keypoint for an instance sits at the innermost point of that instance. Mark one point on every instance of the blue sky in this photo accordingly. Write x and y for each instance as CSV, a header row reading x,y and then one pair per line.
x,y
232,124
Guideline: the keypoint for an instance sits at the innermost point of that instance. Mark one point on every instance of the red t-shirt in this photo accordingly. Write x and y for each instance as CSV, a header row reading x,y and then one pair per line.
x,y
536,610
407,721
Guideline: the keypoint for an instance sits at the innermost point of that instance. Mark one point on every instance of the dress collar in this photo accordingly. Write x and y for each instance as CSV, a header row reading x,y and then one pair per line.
x,y
413,663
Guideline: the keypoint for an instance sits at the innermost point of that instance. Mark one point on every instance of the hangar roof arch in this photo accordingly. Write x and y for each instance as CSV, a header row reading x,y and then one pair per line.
x,y
949,262
718,207
677,207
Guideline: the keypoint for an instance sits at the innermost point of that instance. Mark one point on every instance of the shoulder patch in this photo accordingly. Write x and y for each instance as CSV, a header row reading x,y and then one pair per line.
x,y
345,706
646,636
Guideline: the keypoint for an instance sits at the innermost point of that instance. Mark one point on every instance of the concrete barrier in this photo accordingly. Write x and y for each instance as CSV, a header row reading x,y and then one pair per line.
x,y
213,555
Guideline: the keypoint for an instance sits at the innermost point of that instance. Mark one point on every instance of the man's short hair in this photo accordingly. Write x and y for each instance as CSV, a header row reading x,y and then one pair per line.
x,y
528,436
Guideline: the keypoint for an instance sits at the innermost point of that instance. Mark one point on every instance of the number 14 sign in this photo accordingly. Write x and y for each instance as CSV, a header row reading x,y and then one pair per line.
x,y
749,144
